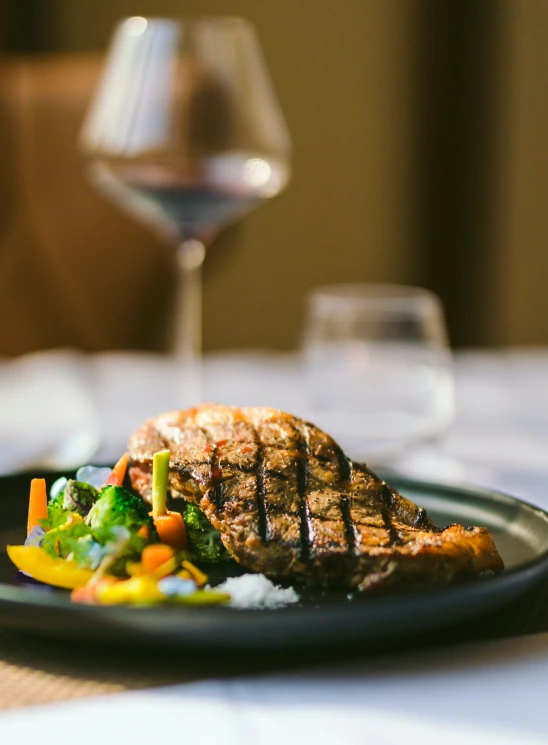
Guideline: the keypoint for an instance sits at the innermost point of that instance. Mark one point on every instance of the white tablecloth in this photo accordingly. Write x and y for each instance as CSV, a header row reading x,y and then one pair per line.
x,y
487,693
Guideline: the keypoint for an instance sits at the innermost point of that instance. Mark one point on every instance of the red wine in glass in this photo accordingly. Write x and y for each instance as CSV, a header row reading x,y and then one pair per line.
x,y
192,206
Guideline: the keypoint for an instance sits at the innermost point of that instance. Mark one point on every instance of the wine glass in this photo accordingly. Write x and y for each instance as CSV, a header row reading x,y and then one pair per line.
x,y
185,133
378,367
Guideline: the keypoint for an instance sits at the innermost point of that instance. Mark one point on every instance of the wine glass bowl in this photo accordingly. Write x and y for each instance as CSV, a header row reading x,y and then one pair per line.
x,y
186,135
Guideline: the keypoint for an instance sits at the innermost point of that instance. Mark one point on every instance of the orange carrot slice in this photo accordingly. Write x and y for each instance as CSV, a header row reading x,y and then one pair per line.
x,y
88,594
118,473
143,532
154,556
85,595
171,529
38,503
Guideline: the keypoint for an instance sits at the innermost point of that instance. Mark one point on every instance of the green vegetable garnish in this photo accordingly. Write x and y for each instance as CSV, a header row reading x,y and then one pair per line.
x,y
56,511
66,539
79,497
116,506
160,473
131,551
204,541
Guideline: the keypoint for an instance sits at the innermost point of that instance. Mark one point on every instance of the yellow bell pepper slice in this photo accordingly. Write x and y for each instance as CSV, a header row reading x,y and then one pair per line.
x,y
165,570
199,577
45,568
142,590
134,568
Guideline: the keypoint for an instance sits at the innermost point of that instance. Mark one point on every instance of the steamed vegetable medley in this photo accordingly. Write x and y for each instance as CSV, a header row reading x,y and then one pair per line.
x,y
98,539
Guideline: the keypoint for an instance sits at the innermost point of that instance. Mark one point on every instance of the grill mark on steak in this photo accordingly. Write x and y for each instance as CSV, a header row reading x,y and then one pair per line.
x,y
387,499
216,486
276,474
345,472
188,468
260,490
240,467
217,491
306,545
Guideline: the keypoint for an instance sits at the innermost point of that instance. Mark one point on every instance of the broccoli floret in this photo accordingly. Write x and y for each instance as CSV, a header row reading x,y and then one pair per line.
x,y
204,541
116,506
131,551
57,513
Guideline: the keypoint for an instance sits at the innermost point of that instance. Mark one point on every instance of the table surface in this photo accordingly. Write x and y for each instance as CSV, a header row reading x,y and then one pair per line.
x,y
499,439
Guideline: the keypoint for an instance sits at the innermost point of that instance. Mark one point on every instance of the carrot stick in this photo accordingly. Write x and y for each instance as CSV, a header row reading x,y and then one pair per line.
x,y
118,473
38,504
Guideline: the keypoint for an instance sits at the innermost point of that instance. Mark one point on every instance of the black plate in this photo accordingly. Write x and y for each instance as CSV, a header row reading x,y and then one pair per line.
x,y
519,529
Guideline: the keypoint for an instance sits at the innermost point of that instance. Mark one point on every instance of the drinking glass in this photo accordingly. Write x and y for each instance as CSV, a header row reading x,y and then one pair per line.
x,y
378,367
185,134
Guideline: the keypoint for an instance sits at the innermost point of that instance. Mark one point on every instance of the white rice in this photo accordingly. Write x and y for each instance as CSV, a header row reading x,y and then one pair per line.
x,y
256,591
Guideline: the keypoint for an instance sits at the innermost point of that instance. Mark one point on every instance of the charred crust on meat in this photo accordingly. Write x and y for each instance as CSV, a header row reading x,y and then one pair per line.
x,y
241,467
275,474
260,493
345,476
421,518
306,533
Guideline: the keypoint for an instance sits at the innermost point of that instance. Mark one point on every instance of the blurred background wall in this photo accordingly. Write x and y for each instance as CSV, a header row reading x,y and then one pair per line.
x,y
419,157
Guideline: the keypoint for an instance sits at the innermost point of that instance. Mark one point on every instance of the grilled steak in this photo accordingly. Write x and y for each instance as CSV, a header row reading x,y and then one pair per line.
x,y
289,503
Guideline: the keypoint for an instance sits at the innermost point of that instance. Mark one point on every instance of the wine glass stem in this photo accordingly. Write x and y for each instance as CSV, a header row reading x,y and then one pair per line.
x,y
187,343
